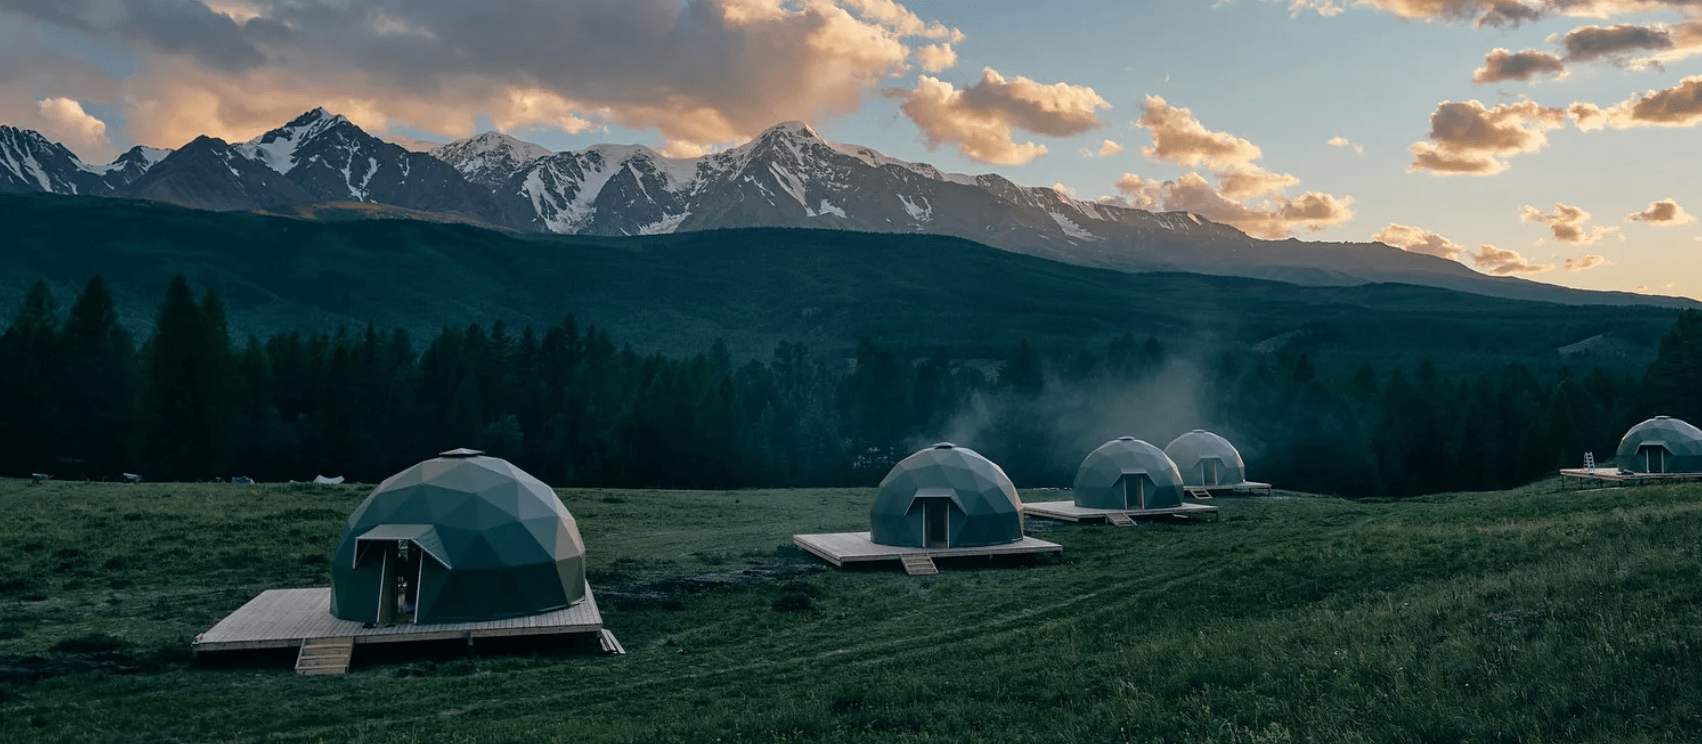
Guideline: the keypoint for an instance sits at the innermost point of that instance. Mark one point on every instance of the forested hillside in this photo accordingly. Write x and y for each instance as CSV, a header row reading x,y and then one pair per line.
x,y
752,289
577,407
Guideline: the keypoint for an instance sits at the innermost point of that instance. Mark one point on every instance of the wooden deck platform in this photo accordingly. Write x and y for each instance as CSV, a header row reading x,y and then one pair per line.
x,y
855,547
1242,487
1581,477
288,618
1069,512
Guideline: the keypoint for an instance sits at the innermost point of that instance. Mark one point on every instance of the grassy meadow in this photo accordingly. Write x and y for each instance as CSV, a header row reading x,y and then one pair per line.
x,y
1532,615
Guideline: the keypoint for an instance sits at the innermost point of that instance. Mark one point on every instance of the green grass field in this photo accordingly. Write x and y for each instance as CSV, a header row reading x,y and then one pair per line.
x,y
1524,616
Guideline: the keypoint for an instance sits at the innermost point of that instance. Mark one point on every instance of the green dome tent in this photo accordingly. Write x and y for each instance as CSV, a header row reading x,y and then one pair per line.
x,y
459,538
1206,459
946,497
1661,445
1127,473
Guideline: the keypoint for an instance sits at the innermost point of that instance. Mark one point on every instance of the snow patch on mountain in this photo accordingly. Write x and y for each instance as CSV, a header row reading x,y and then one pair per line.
x,y
665,225
920,212
1071,229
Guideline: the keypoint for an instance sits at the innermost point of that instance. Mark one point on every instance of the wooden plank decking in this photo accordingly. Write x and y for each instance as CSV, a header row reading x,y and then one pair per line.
x,y
287,618
1579,477
851,547
1069,512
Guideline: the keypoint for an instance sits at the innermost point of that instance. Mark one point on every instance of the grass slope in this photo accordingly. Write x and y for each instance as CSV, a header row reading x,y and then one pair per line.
x,y
678,293
1526,616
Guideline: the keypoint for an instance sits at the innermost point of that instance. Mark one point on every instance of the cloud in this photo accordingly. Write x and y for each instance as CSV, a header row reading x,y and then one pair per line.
x,y
1246,195
983,117
1340,141
68,123
1480,12
1068,191
1567,224
699,72
1502,65
1106,149
1180,138
1273,219
1471,139
1587,43
1665,213
1419,240
1678,106
1325,8
936,57
1586,263
1499,262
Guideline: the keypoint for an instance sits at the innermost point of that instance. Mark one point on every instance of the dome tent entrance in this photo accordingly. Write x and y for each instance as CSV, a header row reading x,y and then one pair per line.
x,y
1661,445
1128,474
946,497
459,538
1205,459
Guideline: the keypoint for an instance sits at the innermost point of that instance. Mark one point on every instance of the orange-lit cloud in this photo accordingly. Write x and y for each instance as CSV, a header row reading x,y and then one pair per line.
x,y
700,72
1620,45
1665,213
1468,138
1272,219
1502,64
982,118
1567,224
1678,106
1106,149
69,124
1340,141
1246,195
1586,263
1180,138
1419,240
1500,262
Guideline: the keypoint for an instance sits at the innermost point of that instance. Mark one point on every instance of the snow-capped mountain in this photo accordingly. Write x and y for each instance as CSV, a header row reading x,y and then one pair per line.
x,y
317,157
788,176
31,162
490,158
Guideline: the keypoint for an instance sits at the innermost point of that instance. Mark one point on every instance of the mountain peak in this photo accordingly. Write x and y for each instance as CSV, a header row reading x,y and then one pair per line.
x,y
792,128
277,148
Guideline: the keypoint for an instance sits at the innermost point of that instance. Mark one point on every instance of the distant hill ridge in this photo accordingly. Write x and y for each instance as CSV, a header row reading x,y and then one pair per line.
x,y
788,176
755,287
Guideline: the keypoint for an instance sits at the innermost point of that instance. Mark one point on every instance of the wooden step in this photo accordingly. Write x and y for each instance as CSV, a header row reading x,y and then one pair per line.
x,y
609,644
325,656
919,565
1120,519
1197,492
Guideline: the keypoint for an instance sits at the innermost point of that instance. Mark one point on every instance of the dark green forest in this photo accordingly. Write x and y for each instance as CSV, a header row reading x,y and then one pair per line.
x,y
578,408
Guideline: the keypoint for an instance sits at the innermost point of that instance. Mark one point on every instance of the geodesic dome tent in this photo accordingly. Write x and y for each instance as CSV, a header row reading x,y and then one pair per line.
x,y
1127,473
1206,459
458,538
1661,445
946,497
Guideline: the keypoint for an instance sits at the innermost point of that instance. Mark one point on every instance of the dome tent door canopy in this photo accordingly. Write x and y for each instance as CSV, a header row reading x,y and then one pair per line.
x,y
484,541
946,496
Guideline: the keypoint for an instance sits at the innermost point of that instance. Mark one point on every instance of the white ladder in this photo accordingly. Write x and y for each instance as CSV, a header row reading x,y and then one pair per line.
x,y
1590,462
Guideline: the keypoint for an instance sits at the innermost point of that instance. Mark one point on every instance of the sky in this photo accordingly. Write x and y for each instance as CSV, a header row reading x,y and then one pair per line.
x,y
1554,140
